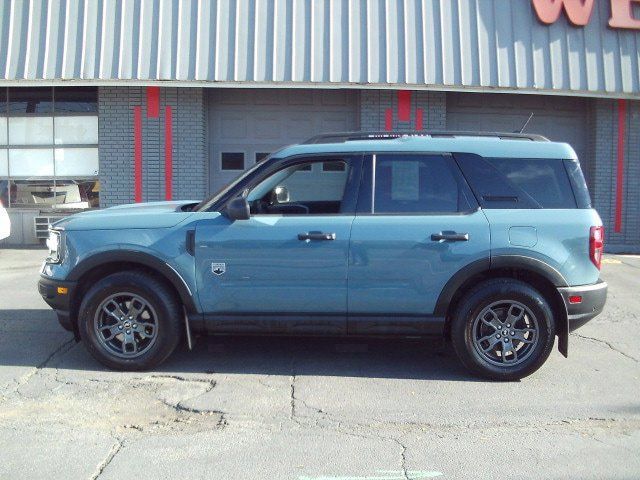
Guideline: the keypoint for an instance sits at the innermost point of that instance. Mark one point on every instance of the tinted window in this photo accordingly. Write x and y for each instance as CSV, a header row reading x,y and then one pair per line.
x,y
417,184
578,183
517,183
545,180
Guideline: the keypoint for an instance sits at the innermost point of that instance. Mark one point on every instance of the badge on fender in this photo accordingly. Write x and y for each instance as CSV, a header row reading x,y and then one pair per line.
x,y
218,268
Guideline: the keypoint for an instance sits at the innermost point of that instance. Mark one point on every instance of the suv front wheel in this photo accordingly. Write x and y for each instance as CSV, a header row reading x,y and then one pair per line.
x,y
130,321
503,329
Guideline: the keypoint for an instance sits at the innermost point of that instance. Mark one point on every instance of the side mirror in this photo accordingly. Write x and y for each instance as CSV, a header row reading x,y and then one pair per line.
x,y
280,194
238,209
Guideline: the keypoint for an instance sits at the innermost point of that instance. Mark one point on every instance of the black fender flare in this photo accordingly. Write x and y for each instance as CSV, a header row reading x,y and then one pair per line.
x,y
456,281
496,262
140,258
532,264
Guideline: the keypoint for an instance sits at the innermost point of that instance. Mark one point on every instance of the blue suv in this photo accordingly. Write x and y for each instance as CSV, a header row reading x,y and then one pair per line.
x,y
486,239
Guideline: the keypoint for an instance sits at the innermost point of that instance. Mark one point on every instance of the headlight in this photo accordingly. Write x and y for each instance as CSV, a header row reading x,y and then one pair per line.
x,y
53,243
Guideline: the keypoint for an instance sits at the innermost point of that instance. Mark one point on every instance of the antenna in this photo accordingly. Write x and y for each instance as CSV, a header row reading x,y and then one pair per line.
x,y
525,123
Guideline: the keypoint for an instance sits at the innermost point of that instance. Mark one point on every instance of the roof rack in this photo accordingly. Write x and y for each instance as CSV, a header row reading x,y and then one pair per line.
x,y
341,137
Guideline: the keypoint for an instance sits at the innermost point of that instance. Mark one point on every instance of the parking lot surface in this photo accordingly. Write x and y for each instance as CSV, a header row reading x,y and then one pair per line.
x,y
308,408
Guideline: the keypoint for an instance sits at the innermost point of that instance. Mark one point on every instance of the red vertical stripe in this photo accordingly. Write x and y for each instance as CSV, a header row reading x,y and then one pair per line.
x,y
419,119
168,153
153,102
388,120
404,105
622,119
137,153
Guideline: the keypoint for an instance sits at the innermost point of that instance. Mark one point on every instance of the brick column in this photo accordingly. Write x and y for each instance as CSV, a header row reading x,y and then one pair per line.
x,y
374,105
603,171
116,144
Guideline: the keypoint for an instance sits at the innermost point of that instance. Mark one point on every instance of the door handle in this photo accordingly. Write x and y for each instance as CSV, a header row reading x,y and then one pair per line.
x,y
316,236
450,237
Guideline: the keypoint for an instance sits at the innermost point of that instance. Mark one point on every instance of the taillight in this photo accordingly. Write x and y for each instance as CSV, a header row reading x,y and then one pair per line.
x,y
596,245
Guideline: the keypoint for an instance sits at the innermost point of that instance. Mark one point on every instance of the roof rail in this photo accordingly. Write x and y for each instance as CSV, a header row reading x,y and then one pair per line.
x,y
341,137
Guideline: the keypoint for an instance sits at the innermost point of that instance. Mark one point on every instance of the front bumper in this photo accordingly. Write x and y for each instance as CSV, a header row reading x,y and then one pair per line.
x,y
593,298
58,295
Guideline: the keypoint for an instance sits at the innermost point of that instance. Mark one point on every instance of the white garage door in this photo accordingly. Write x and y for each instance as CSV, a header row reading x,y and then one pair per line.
x,y
561,119
246,124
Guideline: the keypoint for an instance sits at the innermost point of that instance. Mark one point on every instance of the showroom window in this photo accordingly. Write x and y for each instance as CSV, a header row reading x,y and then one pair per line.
x,y
49,147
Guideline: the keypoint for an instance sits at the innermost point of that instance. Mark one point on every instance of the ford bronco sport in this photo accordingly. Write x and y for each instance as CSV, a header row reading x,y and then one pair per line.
x,y
487,239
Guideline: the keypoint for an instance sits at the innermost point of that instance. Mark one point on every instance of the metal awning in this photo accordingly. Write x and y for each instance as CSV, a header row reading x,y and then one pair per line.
x,y
475,45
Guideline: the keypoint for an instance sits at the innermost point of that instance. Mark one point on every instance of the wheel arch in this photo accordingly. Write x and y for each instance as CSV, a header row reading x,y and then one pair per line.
x,y
106,263
536,273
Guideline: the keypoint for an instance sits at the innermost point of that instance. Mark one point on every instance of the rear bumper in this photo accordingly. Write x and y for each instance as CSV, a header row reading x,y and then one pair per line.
x,y
593,299
53,292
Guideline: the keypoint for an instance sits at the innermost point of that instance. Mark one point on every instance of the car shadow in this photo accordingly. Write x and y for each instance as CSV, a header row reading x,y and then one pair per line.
x,y
47,344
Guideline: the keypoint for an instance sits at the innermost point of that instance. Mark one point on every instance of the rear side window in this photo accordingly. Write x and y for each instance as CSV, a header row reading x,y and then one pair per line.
x,y
578,183
406,184
518,182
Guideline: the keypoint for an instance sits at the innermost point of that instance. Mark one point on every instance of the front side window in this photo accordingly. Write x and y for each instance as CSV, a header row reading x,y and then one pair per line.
x,y
305,188
410,184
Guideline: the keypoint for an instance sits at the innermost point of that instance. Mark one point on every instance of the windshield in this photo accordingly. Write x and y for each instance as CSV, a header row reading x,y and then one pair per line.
x,y
208,202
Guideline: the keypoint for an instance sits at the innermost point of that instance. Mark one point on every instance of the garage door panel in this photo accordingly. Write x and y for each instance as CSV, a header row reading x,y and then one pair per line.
x,y
339,97
300,97
234,97
335,125
262,121
560,119
234,128
267,97
266,128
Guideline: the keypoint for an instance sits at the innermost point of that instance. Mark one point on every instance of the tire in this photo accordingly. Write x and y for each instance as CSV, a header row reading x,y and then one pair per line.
x,y
480,341
139,343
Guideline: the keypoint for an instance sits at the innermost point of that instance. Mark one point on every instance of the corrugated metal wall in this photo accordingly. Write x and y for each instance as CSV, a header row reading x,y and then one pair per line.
x,y
423,43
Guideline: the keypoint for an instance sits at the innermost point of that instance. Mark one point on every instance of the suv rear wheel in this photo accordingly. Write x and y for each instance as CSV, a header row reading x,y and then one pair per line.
x,y
130,321
503,329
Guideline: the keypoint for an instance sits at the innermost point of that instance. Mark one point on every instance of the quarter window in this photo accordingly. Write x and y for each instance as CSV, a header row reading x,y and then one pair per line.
x,y
407,184
545,180
520,183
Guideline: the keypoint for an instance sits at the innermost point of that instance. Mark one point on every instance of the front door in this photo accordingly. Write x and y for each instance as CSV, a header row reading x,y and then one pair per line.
x,y
417,225
284,269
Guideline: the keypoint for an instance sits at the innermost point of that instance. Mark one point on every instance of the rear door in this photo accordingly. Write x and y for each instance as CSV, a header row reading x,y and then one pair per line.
x,y
417,224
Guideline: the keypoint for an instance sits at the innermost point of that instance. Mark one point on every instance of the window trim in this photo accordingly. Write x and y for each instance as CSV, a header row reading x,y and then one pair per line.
x,y
366,201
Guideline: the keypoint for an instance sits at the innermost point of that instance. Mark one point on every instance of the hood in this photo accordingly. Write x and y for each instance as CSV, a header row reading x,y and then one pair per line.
x,y
132,216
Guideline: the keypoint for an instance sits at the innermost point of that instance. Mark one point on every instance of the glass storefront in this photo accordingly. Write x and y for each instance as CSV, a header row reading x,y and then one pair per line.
x,y
49,147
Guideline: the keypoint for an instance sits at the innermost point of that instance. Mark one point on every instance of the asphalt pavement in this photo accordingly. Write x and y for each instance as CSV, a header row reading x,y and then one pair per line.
x,y
314,409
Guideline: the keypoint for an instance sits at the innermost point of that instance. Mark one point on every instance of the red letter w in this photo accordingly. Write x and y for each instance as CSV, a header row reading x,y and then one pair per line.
x,y
578,11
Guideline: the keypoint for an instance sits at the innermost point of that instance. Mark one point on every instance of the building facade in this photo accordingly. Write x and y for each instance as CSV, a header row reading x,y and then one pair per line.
x,y
105,102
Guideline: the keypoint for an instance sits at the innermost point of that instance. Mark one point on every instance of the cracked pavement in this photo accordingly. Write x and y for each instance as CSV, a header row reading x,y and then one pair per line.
x,y
312,409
